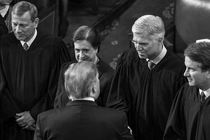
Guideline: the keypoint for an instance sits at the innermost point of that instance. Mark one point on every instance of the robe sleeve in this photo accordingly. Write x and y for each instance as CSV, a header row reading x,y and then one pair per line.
x,y
8,106
126,132
116,98
61,97
175,127
3,27
106,81
47,100
64,54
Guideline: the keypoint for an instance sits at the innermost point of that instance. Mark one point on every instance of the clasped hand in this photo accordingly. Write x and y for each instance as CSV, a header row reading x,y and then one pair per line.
x,y
25,120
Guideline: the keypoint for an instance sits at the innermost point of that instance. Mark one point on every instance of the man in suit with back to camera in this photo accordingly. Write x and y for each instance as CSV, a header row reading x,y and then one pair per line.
x,y
29,70
82,118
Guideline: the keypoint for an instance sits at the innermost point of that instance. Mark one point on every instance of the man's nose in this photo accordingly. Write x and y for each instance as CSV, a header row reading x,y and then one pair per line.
x,y
186,73
138,47
81,54
18,29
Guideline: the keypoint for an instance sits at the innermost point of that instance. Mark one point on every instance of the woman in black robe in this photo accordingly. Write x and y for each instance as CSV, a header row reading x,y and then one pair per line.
x,y
86,46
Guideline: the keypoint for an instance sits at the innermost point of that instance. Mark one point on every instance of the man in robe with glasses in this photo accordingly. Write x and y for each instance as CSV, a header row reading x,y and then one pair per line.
x,y
147,79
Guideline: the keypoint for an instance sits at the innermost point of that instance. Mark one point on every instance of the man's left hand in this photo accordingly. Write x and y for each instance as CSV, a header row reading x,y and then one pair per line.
x,y
25,120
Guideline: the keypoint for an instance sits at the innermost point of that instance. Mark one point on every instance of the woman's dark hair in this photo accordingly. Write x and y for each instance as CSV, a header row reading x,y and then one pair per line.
x,y
89,34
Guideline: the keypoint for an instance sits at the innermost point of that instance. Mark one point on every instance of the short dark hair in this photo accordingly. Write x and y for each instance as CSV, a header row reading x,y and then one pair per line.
x,y
22,7
199,52
79,77
89,34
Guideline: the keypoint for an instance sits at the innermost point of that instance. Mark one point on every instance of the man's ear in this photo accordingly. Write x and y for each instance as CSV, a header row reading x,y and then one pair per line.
x,y
97,51
94,92
208,74
36,22
70,97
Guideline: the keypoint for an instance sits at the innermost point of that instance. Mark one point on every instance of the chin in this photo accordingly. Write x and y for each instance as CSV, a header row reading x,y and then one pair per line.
x,y
142,56
20,38
191,83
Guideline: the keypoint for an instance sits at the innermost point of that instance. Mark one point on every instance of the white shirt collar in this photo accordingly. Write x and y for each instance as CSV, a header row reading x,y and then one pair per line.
x,y
160,56
206,92
4,11
86,98
31,40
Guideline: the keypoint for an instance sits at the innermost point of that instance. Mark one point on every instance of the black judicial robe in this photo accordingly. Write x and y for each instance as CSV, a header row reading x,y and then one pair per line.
x,y
105,77
3,26
146,95
189,118
28,79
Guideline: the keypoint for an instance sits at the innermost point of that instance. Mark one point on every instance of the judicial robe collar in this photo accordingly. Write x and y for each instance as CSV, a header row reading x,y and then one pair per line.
x,y
31,40
159,57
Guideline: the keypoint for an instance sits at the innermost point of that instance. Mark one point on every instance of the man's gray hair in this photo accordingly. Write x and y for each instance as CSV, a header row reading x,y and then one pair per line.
x,y
79,77
150,25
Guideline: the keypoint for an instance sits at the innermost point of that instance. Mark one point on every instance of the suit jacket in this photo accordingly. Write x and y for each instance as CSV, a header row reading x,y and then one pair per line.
x,y
105,77
82,120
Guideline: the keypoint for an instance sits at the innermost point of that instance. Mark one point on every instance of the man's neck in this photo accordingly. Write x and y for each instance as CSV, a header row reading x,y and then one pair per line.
x,y
160,55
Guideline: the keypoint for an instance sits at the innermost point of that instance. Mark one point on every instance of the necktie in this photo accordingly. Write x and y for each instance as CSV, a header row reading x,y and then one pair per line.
x,y
203,96
151,65
25,46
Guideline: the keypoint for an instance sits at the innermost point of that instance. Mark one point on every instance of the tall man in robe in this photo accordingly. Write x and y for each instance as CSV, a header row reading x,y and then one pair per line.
x,y
189,117
29,70
146,91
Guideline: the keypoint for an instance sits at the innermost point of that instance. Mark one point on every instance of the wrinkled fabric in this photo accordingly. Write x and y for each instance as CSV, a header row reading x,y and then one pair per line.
x,y
189,117
146,95
28,79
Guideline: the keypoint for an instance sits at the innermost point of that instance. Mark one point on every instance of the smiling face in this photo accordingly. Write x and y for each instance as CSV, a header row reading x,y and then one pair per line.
x,y
147,46
195,75
23,27
84,51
